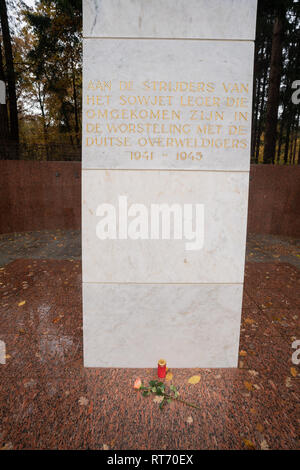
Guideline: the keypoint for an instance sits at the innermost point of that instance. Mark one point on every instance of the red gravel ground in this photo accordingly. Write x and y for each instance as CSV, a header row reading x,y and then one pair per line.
x,y
49,401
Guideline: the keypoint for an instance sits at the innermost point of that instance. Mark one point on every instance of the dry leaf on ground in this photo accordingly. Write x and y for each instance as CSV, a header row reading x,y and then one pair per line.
x,y
264,445
169,376
288,382
83,401
294,372
7,446
194,379
158,399
248,385
249,444
56,320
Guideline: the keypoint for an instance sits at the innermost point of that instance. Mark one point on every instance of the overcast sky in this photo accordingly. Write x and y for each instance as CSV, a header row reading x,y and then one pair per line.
x,y
30,3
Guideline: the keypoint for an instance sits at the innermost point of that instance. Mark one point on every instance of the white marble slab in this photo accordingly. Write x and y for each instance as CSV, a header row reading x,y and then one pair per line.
x,y
135,325
204,19
221,260
167,87
206,115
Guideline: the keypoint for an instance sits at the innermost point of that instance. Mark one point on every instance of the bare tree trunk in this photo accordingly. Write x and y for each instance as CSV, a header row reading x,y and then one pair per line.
x,y
254,102
45,131
287,136
282,122
295,135
255,120
274,88
10,73
261,111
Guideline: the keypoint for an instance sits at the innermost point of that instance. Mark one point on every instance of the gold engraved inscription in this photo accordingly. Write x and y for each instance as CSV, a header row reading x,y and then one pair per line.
x,y
157,119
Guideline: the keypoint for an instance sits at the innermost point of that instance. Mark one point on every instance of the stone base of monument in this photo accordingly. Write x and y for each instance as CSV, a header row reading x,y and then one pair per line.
x,y
135,325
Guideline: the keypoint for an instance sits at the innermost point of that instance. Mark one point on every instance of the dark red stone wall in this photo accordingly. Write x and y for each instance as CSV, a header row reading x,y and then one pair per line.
x,y
274,200
47,195
39,195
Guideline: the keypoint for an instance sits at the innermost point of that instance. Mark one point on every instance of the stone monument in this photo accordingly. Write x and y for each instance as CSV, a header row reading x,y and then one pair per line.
x,y
167,106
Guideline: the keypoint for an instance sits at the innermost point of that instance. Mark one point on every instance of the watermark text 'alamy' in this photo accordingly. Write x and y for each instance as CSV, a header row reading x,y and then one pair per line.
x,y
155,222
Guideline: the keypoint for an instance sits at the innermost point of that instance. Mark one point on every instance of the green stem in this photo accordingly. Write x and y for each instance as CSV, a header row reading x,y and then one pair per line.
x,y
149,389
182,401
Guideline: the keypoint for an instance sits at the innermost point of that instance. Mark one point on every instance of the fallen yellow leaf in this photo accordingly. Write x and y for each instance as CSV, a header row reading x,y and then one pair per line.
x,y
243,353
249,321
248,385
249,444
294,372
21,303
169,376
194,379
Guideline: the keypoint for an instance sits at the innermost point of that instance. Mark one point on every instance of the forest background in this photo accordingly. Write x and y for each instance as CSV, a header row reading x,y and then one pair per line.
x,y
41,66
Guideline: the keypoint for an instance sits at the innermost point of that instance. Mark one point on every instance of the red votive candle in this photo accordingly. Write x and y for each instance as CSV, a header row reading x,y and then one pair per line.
x,y
161,368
